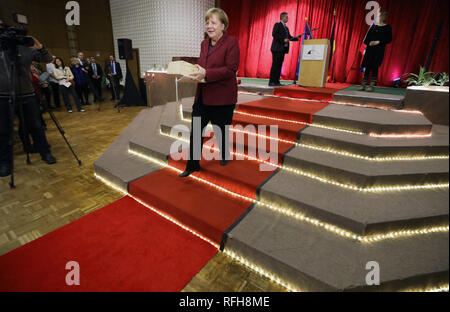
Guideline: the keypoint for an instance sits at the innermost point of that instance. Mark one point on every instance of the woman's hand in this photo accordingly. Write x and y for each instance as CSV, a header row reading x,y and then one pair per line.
x,y
374,43
200,74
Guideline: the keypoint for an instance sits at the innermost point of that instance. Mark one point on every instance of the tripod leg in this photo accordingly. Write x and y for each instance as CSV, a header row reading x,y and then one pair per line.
x,y
61,131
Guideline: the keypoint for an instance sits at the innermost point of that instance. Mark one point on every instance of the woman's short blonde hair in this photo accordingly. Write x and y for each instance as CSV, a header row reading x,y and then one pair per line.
x,y
74,59
223,17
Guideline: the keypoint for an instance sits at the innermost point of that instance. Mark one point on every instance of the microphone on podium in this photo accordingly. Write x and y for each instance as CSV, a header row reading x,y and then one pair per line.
x,y
311,30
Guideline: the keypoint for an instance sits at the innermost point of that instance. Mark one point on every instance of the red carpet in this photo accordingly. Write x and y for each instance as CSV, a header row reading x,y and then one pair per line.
x,y
121,247
204,208
311,93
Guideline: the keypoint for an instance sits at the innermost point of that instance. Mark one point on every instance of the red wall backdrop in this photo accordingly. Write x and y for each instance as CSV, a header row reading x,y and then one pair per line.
x,y
414,23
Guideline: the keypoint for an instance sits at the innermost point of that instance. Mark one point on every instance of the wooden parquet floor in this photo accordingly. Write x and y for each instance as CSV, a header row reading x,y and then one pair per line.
x,y
50,196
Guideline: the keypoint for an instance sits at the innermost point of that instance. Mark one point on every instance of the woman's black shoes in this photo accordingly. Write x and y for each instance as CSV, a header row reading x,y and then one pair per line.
x,y
188,172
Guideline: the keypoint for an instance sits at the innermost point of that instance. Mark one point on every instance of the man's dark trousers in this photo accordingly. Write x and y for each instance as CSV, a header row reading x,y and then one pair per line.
x,y
32,116
277,63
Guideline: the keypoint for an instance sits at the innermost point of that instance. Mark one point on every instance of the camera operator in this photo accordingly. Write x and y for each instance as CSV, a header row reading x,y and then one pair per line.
x,y
25,96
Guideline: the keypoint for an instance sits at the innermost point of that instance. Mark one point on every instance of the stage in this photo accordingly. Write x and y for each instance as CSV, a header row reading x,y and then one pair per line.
x,y
349,186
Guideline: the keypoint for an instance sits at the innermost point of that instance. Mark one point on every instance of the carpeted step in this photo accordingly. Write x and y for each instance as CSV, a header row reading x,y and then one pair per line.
x,y
242,98
286,130
436,145
372,120
359,212
201,207
241,141
364,173
300,111
312,93
118,166
379,98
311,259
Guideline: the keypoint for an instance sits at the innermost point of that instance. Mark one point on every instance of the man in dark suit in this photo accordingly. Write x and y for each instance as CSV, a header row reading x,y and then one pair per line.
x,y
114,74
280,47
96,74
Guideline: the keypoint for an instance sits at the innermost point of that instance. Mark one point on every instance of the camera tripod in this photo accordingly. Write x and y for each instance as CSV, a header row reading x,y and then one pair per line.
x,y
10,60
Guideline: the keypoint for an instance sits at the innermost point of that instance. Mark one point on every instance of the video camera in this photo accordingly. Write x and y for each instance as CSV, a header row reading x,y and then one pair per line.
x,y
13,36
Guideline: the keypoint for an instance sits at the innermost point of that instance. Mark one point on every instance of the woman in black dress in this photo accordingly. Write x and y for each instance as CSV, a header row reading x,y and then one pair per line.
x,y
376,40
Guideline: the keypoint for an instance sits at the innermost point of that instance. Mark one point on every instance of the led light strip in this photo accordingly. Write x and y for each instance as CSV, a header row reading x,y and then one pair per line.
x,y
328,227
316,125
443,288
229,253
277,280
260,270
337,152
386,108
302,123
377,189
165,216
343,153
400,136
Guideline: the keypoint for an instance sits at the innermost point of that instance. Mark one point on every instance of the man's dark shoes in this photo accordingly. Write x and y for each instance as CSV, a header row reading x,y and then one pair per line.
x,y
224,162
188,172
5,170
49,159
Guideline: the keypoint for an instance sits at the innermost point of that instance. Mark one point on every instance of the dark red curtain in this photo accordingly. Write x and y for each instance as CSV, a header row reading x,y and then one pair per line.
x,y
414,23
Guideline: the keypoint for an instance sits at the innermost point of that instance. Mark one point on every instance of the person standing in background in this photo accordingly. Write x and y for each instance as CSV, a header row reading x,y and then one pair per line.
x,y
114,74
96,75
26,97
84,64
66,85
279,48
376,40
81,85
53,83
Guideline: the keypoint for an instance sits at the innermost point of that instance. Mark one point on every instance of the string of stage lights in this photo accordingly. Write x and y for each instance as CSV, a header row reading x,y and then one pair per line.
x,y
338,152
253,266
376,189
302,217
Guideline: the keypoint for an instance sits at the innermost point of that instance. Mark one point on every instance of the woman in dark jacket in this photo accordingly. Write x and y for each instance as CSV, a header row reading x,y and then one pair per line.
x,y
81,83
216,98
376,40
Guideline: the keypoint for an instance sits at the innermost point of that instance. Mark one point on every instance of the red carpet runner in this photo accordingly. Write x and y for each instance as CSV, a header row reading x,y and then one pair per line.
x,y
312,93
206,209
127,247
121,247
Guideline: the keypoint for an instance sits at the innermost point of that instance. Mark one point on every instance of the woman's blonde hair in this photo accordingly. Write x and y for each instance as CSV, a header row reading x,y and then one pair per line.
x,y
223,17
74,59
383,16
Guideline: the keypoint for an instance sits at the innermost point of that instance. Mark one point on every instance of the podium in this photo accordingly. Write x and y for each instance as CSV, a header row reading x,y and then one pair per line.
x,y
314,60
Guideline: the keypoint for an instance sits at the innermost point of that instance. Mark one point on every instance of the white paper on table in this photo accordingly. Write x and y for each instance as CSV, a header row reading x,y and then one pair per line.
x,y
313,52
